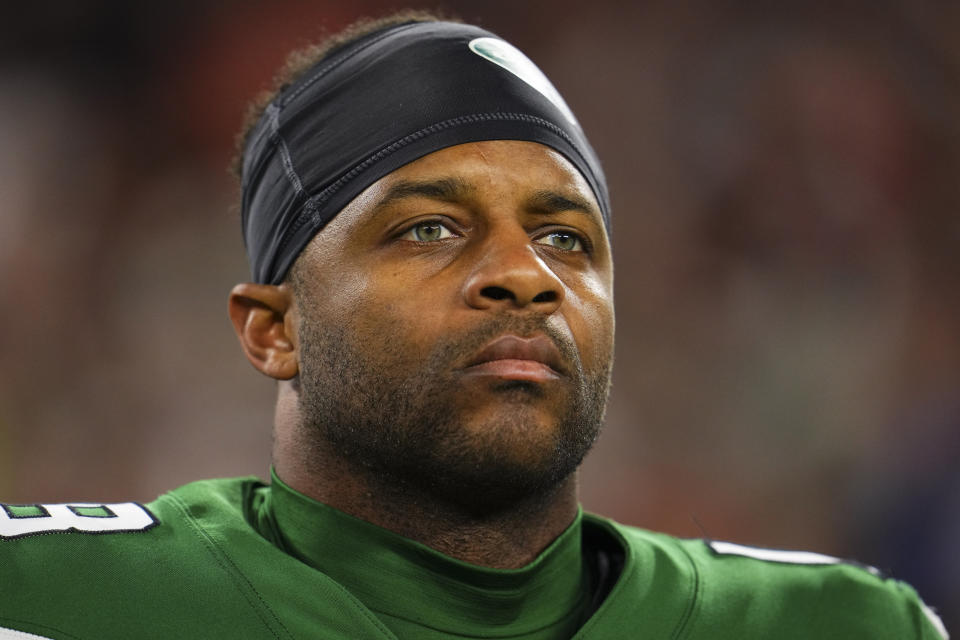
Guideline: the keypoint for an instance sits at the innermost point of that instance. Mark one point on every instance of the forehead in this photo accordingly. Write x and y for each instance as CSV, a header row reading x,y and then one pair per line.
x,y
487,169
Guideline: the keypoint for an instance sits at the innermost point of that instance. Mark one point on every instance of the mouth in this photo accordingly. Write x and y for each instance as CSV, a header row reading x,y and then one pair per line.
x,y
510,357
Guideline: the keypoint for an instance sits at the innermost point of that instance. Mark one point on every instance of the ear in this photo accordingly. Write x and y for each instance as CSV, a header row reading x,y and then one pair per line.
x,y
263,317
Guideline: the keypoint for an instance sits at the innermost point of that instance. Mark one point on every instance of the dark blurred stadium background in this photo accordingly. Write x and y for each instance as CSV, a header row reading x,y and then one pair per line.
x,y
786,182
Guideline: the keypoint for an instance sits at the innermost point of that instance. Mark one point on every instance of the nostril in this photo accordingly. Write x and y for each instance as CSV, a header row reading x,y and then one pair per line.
x,y
496,293
546,296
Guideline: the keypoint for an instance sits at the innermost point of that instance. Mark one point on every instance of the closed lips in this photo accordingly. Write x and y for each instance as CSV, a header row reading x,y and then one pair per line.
x,y
536,349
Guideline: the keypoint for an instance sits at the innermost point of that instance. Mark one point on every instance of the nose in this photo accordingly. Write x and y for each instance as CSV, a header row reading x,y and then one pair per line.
x,y
510,275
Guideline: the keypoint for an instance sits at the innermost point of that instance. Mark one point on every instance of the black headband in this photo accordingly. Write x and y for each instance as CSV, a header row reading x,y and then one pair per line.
x,y
380,103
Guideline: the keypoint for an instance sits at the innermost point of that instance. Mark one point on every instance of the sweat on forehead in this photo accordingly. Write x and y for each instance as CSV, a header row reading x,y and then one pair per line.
x,y
378,104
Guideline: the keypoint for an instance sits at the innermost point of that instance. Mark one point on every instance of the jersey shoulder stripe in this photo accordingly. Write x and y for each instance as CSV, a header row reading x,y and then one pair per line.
x,y
748,591
810,558
783,556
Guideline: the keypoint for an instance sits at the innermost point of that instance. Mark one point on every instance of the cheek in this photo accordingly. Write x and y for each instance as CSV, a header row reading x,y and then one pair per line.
x,y
388,314
591,318
370,291
333,286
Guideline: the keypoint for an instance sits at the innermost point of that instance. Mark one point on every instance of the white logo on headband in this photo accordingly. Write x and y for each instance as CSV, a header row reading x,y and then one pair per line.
x,y
506,55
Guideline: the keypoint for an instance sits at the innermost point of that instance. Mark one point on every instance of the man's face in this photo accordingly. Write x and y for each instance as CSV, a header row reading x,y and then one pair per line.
x,y
455,325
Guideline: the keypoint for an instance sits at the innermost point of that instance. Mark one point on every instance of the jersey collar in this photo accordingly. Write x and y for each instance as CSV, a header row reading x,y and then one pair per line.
x,y
412,587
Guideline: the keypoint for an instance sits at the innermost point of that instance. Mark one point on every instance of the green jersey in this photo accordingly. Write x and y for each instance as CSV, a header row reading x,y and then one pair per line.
x,y
239,559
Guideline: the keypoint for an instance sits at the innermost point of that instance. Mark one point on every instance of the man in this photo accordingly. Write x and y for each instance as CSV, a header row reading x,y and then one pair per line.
x,y
428,231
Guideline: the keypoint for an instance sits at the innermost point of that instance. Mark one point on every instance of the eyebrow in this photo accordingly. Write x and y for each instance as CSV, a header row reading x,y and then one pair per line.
x,y
455,189
548,202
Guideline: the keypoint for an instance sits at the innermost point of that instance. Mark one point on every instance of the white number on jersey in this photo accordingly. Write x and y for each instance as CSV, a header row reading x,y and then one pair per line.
x,y
10,634
33,519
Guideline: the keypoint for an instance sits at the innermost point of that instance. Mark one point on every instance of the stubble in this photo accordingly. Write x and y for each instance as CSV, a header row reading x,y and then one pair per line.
x,y
397,416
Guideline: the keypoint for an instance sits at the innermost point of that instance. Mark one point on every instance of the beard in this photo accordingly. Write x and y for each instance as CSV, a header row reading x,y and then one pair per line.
x,y
402,417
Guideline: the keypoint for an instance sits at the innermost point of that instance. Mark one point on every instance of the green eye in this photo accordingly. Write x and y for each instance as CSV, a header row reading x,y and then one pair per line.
x,y
561,240
429,231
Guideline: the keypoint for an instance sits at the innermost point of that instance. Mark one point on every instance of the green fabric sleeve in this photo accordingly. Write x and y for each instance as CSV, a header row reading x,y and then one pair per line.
x,y
683,589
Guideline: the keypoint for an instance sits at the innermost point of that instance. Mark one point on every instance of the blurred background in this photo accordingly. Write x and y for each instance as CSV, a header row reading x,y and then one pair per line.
x,y
786,235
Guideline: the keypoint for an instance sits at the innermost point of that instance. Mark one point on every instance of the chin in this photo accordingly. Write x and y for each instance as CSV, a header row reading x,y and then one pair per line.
x,y
512,456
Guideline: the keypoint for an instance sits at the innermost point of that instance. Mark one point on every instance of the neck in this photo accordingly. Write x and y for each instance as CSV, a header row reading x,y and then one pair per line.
x,y
507,537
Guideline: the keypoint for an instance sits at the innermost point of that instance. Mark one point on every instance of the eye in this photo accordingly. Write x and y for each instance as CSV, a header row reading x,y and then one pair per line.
x,y
562,240
427,231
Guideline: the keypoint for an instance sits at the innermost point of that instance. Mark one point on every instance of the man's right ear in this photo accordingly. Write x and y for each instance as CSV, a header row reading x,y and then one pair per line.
x,y
260,315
